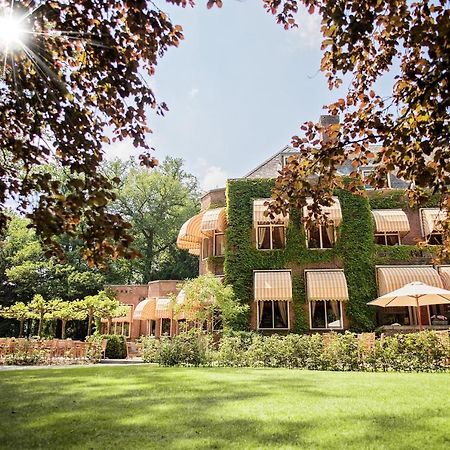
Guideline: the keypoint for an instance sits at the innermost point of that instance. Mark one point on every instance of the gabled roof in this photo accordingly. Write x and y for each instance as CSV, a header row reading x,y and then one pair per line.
x,y
285,149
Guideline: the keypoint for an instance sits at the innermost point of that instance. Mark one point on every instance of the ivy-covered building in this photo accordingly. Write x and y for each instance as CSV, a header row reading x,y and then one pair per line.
x,y
318,279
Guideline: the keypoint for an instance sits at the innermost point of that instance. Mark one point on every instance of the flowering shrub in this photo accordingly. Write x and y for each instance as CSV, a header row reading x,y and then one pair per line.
x,y
27,358
424,351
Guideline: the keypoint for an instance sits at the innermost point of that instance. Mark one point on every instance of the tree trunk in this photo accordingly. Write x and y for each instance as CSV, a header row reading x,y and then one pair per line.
x,y
21,327
41,320
63,328
89,330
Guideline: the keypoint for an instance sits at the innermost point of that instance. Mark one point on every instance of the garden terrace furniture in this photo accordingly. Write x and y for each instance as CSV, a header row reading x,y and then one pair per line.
x,y
104,345
133,350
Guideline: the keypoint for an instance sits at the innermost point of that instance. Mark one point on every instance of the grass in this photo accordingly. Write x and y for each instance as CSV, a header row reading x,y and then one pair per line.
x,y
197,408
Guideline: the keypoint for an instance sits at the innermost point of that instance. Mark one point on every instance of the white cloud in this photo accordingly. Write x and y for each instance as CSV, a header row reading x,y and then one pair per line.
x,y
211,177
308,34
193,92
122,150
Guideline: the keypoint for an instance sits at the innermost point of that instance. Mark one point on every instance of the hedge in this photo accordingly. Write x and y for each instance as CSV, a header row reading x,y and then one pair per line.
x,y
416,352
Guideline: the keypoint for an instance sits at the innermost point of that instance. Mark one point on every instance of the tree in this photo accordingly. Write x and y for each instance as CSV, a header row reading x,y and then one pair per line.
x,y
97,306
206,298
64,311
39,309
25,270
80,75
364,41
18,311
156,203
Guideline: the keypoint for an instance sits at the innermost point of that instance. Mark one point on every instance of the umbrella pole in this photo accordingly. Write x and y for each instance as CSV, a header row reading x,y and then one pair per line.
x,y
419,313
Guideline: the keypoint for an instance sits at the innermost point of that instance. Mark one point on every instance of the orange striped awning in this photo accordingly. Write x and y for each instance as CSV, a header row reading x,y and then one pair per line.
x,y
444,272
190,235
392,278
333,212
273,285
145,310
390,221
164,308
127,318
214,220
326,285
259,208
431,218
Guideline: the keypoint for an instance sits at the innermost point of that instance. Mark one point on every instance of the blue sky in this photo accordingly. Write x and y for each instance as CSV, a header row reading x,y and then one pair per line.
x,y
238,87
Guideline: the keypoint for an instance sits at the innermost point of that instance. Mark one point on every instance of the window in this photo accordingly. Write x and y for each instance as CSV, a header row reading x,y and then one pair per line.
x,y
321,236
285,158
151,326
219,244
365,173
273,315
431,224
206,253
387,239
166,325
270,237
325,314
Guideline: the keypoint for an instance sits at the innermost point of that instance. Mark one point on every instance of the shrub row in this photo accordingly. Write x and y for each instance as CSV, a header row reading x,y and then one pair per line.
x,y
420,352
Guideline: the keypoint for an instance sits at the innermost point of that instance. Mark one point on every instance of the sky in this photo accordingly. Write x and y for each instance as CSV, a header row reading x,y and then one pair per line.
x,y
238,87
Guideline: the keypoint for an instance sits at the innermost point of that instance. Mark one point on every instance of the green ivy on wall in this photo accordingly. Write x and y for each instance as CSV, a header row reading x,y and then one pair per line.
x,y
354,252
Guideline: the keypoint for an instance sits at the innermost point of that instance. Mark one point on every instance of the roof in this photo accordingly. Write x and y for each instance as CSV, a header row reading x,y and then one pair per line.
x,y
285,149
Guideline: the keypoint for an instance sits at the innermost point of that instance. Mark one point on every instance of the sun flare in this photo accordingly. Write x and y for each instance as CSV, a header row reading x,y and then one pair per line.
x,y
12,31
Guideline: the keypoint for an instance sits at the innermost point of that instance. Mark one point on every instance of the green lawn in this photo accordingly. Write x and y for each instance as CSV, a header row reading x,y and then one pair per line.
x,y
149,407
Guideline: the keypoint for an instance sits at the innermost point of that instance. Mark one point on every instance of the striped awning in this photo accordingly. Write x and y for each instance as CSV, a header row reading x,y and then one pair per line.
x,y
164,308
391,221
190,235
333,212
326,285
273,285
258,214
444,272
145,310
127,318
214,220
179,302
431,218
392,278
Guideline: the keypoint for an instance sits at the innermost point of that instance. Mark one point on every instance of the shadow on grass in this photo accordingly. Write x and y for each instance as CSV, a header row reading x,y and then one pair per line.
x,y
213,408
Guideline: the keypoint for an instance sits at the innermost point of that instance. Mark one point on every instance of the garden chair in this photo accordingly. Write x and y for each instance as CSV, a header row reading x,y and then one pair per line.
x,y
133,350
104,344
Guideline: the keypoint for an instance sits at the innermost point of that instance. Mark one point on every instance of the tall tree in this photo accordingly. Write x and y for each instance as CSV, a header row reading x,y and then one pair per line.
x,y
364,40
156,203
71,71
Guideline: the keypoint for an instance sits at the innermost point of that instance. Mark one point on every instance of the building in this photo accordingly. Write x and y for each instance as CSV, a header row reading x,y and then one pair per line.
x,y
318,279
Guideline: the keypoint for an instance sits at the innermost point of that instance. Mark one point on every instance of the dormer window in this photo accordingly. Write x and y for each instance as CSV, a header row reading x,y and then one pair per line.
x,y
370,171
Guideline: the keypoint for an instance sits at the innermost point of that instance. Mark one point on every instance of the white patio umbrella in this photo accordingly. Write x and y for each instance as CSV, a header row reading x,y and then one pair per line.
x,y
414,294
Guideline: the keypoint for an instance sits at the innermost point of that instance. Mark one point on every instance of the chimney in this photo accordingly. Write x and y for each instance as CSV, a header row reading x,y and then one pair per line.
x,y
329,132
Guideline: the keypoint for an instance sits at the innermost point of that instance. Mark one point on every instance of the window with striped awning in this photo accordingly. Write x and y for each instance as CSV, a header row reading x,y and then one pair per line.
x,y
164,308
272,285
126,318
392,278
332,212
326,285
259,208
444,273
145,310
391,221
214,220
190,235
430,220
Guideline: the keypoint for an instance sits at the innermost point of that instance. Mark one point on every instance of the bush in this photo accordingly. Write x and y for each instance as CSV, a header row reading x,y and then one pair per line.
x,y
27,358
186,349
116,348
150,349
